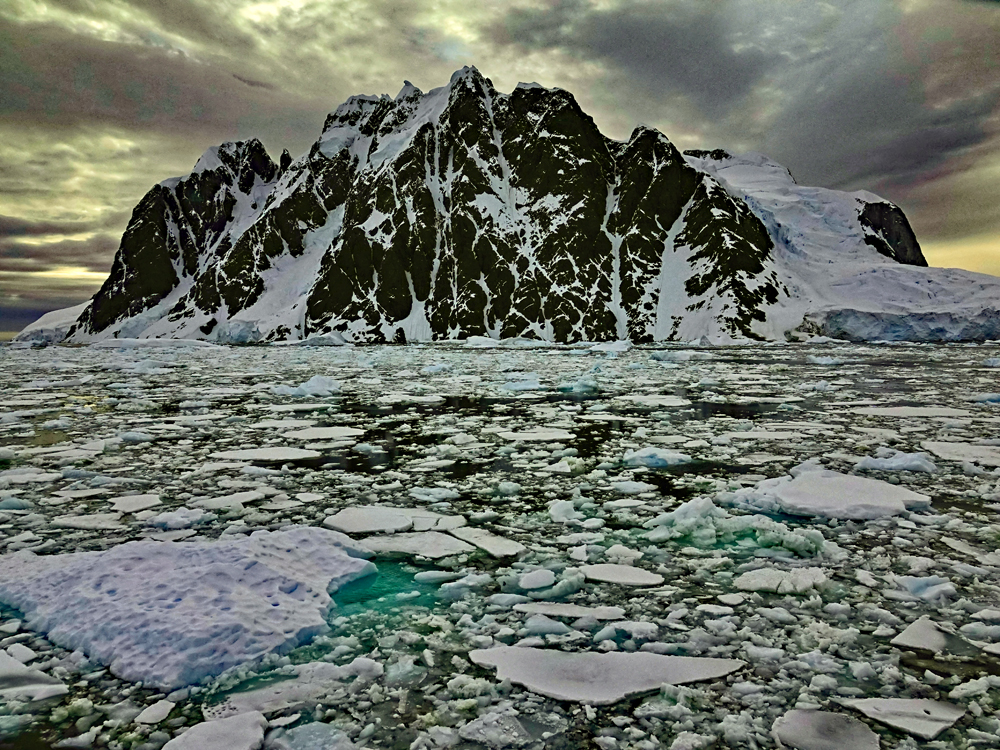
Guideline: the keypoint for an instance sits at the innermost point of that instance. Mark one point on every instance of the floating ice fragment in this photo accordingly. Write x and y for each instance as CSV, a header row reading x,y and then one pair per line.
x,y
923,634
538,435
431,544
924,718
824,493
928,588
823,730
308,683
316,735
563,511
93,521
496,731
626,575
905,412
887,459
243,732
655,458
173,613
368,519
182,518
155,713
433,494
324,433
988,455
537,579
18,682
496,546
597,678
134,503
795,581
559,609
317,385
266,454
633,488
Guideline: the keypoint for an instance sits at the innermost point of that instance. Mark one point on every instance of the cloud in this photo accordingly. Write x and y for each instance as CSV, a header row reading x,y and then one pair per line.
x,y
694,48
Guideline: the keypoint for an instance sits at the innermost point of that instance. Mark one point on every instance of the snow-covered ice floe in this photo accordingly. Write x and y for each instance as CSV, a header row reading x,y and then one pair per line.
x,y
173,614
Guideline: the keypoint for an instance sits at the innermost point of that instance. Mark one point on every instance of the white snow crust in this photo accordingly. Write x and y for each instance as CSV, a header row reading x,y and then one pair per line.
x,y
172,614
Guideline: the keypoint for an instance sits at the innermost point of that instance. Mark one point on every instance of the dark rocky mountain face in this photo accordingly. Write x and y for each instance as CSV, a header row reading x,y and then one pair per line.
x,y
455,213
888,231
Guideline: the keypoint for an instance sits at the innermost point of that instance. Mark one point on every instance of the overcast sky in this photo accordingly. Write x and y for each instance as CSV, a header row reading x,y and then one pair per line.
x,y
100,99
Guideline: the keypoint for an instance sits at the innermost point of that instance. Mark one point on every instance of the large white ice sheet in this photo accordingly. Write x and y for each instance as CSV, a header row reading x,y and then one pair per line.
x,y
171,614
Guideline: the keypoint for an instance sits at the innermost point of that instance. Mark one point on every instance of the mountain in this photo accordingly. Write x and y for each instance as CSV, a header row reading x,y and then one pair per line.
x,y
468,212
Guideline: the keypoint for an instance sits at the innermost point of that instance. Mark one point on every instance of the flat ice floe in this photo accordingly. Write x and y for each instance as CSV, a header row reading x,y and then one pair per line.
x,y
424,543
823,493
823,730
243,732
171,614
266,454
594,678
922,718
625,575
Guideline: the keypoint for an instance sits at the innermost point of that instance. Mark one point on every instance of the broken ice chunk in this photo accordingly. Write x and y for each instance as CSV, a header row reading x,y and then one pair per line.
x,y
823,730
243,732
625,575
795,581
18,682
924,718
597,678
427,544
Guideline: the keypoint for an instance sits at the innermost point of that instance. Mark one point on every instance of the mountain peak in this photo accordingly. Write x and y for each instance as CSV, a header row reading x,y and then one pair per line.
x,y
467,212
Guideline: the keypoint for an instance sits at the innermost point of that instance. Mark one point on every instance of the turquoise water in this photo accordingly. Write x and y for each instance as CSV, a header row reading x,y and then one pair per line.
x,y
384,592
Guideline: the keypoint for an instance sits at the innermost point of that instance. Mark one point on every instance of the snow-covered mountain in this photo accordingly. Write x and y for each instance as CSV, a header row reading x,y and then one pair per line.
x,y
467,212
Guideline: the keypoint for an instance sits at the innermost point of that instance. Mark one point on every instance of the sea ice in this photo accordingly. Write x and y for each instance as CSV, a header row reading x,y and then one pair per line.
x,y
303,684
266,454
431,544
18,682
625,575
561,609
134,503
492,544
243,732
922,634
313,736
887,459
774,580
317,385
155,713
324,433
924,718
538,435
368,519
824,493
823,730
173,613
987,455
655,458
597,678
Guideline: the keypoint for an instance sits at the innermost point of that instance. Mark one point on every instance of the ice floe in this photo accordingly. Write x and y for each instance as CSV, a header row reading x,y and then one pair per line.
x,y
214,604
597,678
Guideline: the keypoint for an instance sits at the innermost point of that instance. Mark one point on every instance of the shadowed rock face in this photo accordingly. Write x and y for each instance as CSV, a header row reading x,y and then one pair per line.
x,y
888,231
450,214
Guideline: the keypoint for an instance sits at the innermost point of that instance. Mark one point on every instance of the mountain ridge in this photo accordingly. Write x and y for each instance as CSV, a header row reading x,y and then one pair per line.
x,y
468,212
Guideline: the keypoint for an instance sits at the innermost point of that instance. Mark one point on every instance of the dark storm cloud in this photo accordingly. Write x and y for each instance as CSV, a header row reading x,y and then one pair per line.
x,y
93,253
51,76
13,226
827,89
692,48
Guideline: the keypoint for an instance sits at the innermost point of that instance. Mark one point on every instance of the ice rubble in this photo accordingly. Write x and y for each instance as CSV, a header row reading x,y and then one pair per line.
x,y
854,635
597,679
172,614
